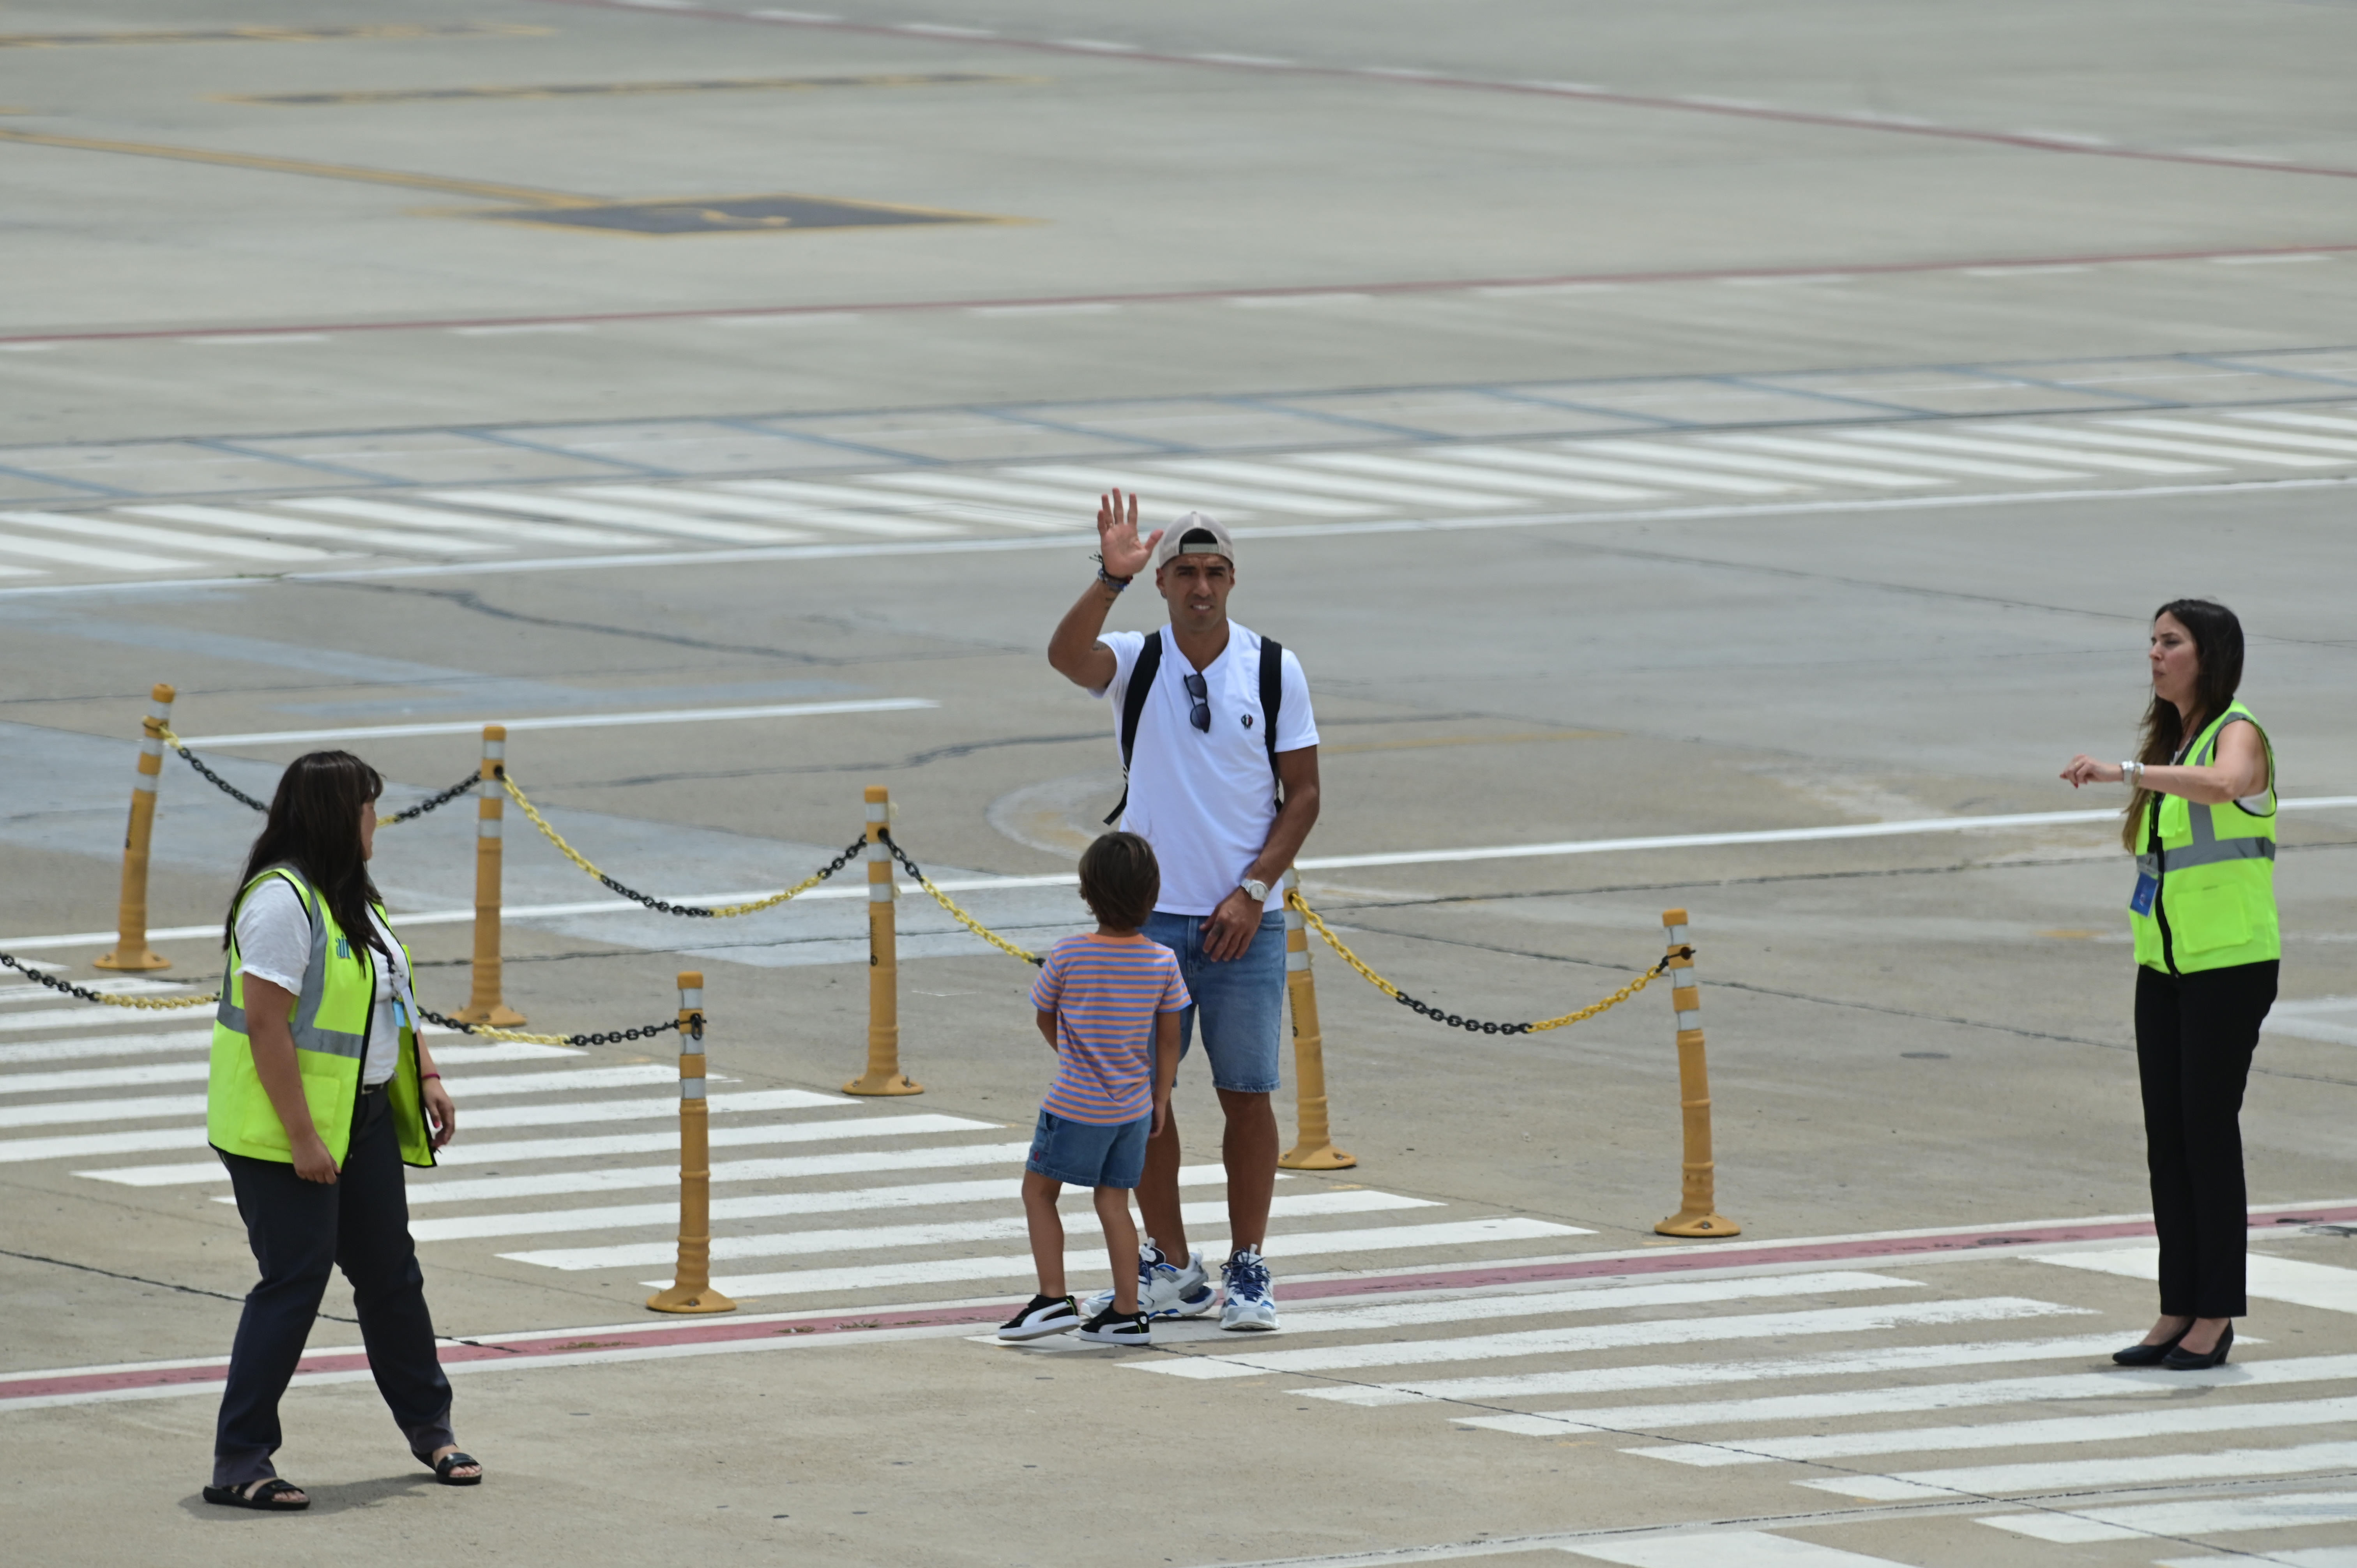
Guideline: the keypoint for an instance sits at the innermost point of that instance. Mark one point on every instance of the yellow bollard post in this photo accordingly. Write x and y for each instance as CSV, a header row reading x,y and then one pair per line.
x,y
483,1002
691,1289
883,1075
1696,1214
1315,1151
131,949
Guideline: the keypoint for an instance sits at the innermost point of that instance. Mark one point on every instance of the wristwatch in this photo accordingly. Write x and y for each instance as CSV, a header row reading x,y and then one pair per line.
x,y
1255,891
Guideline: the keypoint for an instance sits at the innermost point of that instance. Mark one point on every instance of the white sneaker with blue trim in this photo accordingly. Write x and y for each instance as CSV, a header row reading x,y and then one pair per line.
x,y
1252,1299
1164,1289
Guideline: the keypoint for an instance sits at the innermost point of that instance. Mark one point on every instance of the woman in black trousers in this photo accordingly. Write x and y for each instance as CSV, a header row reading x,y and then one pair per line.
x,y
320,1091
2201,824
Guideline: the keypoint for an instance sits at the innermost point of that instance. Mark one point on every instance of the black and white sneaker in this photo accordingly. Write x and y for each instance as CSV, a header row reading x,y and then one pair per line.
x,y
1111,1328
1043,1316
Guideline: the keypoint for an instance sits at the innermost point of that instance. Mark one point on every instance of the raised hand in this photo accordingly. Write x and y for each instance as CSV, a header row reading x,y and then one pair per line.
x,y
1124,554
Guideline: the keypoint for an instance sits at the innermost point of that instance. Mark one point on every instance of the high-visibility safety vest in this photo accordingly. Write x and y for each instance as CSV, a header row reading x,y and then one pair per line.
x,y
2215,866
330,1023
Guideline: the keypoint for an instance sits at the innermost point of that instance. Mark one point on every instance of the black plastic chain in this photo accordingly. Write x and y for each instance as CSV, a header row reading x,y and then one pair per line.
x,y
1476,1026
51,981
696,911
607,1037
223,784
463,786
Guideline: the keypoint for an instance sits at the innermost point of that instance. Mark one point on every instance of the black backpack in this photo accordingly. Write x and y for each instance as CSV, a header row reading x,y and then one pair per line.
x,y
1141,684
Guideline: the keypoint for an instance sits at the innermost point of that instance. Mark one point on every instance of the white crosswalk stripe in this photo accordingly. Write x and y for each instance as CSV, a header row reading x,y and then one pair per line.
x,y
2208,1516
1466,483
2079,1475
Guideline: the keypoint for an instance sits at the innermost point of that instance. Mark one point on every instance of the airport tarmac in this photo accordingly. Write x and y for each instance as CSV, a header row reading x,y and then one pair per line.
x,y
1721,460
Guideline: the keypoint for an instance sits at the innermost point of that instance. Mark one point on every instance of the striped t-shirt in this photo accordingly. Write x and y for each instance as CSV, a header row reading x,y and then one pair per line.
x,y
1105,993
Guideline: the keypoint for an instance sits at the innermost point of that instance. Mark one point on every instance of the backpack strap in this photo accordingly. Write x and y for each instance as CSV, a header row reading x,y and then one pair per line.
x,y
1133,708
1272,698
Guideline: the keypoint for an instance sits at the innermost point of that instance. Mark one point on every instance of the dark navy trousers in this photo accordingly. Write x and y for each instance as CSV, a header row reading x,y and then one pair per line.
x,y
299,1231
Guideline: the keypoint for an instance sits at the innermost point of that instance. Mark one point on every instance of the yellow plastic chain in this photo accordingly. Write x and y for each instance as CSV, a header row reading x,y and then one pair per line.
x,y
1294,899
156,1003
970,924
723,911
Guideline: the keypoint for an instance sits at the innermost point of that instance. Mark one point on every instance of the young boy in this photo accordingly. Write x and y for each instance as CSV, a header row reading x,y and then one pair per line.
x,y
1109,1004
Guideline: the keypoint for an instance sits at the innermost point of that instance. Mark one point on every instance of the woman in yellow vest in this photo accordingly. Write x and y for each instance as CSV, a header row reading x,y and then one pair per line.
x,y
2202,823
320,1092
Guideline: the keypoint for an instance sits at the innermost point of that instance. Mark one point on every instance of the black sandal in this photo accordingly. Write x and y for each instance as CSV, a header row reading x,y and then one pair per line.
x,y
262,1499
450,1462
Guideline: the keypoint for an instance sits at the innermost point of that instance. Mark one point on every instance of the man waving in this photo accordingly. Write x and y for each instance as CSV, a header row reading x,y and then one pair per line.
x,y
1221,754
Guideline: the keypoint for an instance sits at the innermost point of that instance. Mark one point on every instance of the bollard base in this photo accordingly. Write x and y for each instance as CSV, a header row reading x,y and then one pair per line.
x,y
1704,1225
703,1299
884,1083
143,959
1324,1157
499,1016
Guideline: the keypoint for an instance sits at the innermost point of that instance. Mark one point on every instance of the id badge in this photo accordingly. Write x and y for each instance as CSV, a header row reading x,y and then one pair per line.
x,y
2140,901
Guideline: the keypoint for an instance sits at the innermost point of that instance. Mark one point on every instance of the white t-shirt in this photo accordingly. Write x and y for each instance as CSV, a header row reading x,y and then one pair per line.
x,y
1205,799
273,943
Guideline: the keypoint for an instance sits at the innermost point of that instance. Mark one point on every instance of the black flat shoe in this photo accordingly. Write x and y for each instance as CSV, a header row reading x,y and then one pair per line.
x,y
2150,1355
2181,1361
262,1499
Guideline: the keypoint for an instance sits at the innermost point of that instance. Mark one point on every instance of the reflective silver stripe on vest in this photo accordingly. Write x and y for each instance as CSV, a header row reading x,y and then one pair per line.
x,y
309,1035
2207,848
2215,852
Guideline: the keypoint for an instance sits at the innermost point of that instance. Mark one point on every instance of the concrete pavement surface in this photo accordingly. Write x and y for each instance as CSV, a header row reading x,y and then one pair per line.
x,y
1720,458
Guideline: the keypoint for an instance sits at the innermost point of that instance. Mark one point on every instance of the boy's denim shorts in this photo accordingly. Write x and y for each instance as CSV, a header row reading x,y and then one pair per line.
x,y
1241,1000
1084,1154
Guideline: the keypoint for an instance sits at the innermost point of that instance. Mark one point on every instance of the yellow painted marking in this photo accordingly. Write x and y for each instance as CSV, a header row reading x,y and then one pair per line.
x,y
625,89
545,198
271,35
1466,740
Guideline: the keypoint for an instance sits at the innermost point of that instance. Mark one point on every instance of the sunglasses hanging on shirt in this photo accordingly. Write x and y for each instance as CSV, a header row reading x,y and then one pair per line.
x,y
1199,694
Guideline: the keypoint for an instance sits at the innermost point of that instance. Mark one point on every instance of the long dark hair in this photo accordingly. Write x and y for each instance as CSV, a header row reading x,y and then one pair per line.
x,y
315,826
2218,672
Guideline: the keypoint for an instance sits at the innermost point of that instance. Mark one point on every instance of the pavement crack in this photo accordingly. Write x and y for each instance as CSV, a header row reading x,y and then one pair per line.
x,y
143,1280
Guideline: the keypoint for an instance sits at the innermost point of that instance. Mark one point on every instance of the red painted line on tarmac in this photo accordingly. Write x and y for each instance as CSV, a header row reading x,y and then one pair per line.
x,y
2026,140
522,1350
1185,296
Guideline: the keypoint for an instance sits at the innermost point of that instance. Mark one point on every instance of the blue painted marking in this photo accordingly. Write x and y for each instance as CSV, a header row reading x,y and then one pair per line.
x,y
2226,364
517,441
1658,421
1271,405
235,450
90,485
1150,443
1763,383
893,454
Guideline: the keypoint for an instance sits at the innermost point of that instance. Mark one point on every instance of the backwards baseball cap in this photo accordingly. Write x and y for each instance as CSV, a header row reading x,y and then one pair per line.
x,y
1196,534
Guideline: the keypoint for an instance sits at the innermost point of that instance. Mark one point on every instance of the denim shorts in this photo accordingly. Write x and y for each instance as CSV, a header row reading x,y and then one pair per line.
x,y
1085,1153
1242,1001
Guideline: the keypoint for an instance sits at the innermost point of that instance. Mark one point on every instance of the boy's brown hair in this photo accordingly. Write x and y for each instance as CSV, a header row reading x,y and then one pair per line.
x,y
1120,880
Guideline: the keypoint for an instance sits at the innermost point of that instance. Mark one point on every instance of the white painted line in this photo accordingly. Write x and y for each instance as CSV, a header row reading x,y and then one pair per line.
x,y
465,522
2316,1019
275,526
2087,1475
2319,1285
1462,1234
1433,468
2082,437
475,1117
1280,477
425,1188
1611,1296
1929,442
2208,1516
2278,1557
1573,460
1609,1337
1839,450
2264,260
1068,879
2229,432
1722,1549
803,497
89,527
57,550
2303,421
2131,1426
199,1039
1878,478
939,1233
59,1112
1196,490
830,516
768,1206
1844,1404
468,1153
1710,1374
80,1016
535,503
572,720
